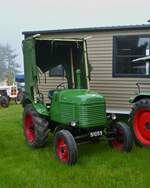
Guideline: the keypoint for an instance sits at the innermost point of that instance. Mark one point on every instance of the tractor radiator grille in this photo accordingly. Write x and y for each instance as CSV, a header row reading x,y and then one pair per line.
x,y
67,113
88,115
92,115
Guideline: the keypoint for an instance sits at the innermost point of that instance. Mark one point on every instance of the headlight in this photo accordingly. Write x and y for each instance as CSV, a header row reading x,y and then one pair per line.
x,y
113,116
73,123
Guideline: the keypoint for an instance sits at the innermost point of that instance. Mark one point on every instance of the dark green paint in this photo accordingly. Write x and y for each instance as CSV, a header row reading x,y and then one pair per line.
x,y
139,96
41,108
78,73
30,68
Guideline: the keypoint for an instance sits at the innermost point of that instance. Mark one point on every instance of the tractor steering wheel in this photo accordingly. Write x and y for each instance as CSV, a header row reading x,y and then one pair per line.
x,y
61,85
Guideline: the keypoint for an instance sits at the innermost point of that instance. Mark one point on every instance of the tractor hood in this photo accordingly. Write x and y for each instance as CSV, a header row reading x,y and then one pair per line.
x,y
79,96
85,107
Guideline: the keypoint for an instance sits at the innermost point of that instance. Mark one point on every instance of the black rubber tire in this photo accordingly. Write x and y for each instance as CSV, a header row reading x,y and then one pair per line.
x,y
40,125
19,97
18,100
143,103
126,137
4,101
71,145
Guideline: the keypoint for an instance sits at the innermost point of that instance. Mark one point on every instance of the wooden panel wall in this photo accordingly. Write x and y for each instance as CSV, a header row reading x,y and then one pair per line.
x,y
100,52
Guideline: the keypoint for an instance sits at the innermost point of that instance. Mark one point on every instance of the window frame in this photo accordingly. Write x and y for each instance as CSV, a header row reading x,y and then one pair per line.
x,y
114,74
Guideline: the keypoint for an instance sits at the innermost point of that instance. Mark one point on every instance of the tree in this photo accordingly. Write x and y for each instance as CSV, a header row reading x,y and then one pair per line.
x,y
8,65
3,65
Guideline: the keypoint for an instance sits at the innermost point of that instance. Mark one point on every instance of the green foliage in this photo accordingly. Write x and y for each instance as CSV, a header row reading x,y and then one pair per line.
x,y
3,66
98,165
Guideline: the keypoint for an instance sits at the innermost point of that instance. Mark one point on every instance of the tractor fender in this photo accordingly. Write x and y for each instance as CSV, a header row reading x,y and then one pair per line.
x,y
41,109
139,97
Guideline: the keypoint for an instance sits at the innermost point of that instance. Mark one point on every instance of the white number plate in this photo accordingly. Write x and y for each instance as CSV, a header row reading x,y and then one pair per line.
x,y
96,133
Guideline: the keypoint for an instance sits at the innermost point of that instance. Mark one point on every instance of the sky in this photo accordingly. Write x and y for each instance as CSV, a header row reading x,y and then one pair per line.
x,y
17,16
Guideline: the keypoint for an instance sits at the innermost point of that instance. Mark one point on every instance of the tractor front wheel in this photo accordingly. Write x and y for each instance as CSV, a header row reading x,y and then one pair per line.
x,y
35,127
65,147
121,137
140,122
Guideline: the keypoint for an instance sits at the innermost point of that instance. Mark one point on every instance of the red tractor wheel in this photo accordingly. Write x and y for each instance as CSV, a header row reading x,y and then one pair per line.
x,y
35,127
140,122
29,128
121,137
65,147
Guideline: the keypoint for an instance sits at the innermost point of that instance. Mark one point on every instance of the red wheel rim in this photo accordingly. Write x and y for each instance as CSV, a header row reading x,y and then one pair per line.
x,y
62,150
141,125
29,128
118,142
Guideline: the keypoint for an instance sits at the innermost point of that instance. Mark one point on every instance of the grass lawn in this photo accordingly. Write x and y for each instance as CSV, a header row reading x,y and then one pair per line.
x,y
98,164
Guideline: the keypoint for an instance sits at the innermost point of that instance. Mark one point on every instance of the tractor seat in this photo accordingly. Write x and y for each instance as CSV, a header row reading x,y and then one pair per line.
x,y
50,93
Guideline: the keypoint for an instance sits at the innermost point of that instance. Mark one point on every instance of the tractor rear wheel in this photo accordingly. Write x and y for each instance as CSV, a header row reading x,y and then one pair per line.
x,y
121,137
65,147
140,122
35,127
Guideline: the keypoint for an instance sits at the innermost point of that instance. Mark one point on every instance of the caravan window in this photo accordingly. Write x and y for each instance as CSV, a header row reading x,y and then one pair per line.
x,y
57,71
125,50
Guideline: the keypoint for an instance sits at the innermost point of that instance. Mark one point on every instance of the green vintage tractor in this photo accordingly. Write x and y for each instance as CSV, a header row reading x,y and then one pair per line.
x,y
74,113
140,113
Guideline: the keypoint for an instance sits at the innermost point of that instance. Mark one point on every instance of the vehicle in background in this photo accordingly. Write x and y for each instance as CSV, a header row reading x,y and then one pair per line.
x,y
7,93
20,85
